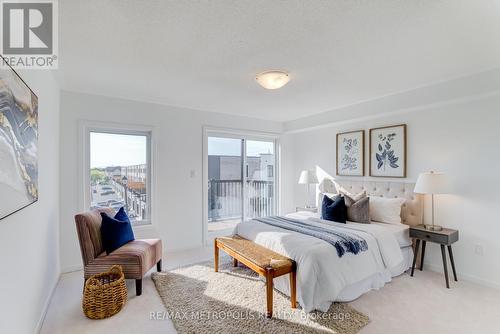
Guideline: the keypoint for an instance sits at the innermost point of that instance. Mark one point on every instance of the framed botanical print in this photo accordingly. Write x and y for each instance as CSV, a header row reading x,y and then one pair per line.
x,y
388,151
351,153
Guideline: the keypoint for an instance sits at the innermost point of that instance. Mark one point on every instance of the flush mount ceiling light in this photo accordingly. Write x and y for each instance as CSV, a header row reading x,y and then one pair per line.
x,y
272,79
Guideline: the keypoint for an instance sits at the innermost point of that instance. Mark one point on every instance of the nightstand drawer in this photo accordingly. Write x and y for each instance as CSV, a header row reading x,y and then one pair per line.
x,y
429,236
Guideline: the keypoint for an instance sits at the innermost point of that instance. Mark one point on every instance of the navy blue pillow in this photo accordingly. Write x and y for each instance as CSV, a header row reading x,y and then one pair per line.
x,y
117,231
122,215
334,209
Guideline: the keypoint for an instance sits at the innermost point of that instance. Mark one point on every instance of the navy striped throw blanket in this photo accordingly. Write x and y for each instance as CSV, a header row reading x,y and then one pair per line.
x,y
344,242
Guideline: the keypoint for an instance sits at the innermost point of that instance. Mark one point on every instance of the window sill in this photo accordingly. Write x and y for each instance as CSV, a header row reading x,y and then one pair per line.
x,y
146,226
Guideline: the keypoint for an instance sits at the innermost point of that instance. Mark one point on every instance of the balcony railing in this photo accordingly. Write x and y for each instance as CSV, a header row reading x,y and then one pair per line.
x,y
225,199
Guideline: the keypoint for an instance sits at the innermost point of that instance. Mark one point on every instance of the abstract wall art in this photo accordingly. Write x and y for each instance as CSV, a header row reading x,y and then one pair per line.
x,y
18,143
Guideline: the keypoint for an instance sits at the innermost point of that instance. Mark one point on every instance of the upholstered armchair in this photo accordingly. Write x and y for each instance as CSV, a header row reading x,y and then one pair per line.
x,y
136,257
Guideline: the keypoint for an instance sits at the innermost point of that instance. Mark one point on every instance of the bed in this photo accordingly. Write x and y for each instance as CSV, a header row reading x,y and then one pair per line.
x,y
322,275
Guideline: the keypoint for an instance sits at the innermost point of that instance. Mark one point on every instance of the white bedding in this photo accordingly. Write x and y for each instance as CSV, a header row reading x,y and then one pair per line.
x,y
321,275
400,231
355,290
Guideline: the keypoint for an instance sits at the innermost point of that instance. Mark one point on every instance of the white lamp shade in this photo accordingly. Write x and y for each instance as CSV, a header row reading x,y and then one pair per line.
x,y
432,183
308,177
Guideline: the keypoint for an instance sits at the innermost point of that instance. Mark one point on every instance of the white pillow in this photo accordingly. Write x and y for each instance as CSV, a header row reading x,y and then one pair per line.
x,y
386,210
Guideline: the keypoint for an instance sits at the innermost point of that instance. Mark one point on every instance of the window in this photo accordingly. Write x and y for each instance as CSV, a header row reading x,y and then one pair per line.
x,y
120,172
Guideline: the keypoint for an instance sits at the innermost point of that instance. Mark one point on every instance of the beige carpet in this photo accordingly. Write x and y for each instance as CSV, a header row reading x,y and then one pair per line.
x,y
199,300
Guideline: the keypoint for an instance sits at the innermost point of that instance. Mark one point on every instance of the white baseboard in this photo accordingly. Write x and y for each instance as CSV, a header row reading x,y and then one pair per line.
x,y
463,276
70,269
45,308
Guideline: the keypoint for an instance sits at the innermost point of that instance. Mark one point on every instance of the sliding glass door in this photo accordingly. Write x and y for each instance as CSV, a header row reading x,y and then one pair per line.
x,y
259,183
241,174
225,182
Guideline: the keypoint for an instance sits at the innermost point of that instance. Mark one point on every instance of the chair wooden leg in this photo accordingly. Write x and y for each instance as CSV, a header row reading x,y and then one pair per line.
x,y
138,287
158,266
235,263
293,289
216,256
269,291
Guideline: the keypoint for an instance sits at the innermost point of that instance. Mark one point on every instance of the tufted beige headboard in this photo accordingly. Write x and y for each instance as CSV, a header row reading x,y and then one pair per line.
x,y
411,212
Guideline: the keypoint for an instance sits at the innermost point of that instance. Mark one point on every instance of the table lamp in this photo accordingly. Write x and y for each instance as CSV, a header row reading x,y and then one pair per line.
x,y
432,183
308,177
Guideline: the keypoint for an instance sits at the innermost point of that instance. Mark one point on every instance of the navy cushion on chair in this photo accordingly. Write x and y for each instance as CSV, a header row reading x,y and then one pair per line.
x,y
117,231
122,215
334,209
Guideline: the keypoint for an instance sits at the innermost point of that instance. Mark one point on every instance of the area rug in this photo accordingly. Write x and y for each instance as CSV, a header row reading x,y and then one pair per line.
x,y
199,300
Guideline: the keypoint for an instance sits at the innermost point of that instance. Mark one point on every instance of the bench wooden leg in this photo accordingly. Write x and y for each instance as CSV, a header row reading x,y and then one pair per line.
x,y
269,291
216,256
235,262
293,289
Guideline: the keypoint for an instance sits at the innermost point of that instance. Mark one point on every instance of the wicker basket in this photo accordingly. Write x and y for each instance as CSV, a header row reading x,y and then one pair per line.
x,y
104,294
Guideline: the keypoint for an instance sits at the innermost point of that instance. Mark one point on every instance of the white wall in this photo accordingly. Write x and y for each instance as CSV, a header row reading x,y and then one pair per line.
x,y
179,137
459,138
29,252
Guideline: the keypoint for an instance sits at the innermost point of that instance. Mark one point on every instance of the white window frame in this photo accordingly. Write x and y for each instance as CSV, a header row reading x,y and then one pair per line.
x,y
238,134
85,128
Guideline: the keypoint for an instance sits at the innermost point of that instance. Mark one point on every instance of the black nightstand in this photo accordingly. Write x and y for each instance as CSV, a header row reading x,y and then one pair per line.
x,y
445,237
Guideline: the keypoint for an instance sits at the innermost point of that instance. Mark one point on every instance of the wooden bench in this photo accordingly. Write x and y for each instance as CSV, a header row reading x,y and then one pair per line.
x,y
263,261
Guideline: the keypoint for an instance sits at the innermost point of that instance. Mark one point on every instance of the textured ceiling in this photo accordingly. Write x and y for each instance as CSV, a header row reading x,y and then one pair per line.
x,y
204,54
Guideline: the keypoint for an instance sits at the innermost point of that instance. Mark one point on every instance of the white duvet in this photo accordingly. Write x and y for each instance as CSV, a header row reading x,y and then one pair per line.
x,y
321,273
